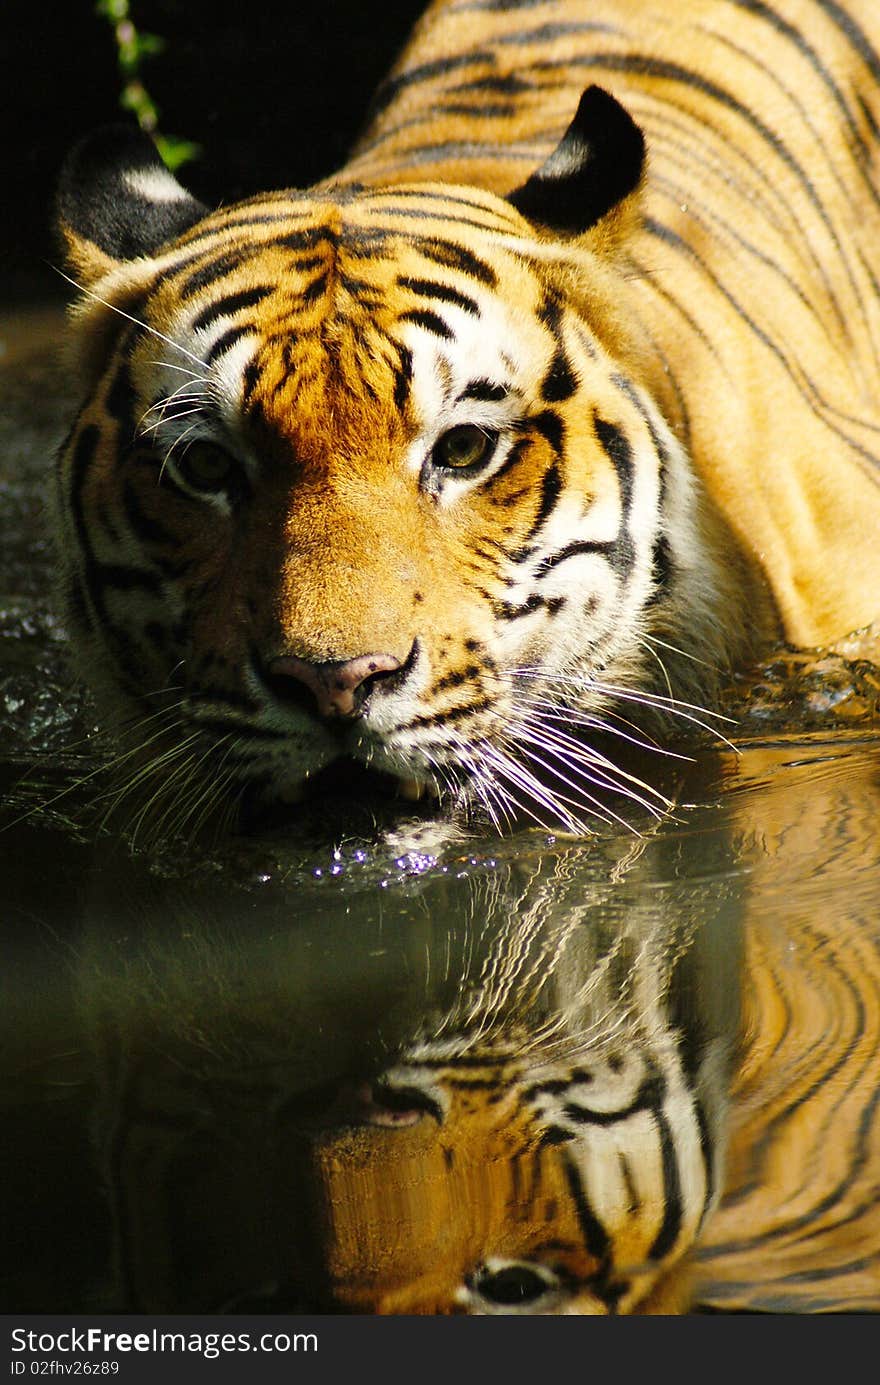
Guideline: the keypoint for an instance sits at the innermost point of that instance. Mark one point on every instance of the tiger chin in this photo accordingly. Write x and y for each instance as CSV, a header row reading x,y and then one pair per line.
x,y
372,474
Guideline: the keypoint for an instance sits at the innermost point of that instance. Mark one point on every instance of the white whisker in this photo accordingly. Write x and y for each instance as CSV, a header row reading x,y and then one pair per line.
x,y
169,341
600,809
586,758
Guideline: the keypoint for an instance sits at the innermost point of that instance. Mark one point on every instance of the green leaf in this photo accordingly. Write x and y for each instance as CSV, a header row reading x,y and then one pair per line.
x,y
177,152
148,45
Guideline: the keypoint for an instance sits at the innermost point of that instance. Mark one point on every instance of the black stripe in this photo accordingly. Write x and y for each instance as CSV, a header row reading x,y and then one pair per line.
x,y
302,266
227,340
369,294
306,239
402,376
804,384
661,567
76,604
462,1060
483,390
425,72
648,1098
856,35
129,671
763,11
626,1173
430,288
315,289
551,489
555,1135
119,400
455,679
391,211
646,66
519,447
487,111
594,1235
670,1227
209,272
229,305
627,388
505,610
560,382
710,1155
606,547
510,84
250,379
448,197
240,218
454,256
423,317
868,116
617,448
553,1086
452,714
551,427
549,33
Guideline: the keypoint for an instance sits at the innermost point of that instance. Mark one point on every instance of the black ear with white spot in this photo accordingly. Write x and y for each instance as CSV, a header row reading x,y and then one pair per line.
x,y
598,162
116,200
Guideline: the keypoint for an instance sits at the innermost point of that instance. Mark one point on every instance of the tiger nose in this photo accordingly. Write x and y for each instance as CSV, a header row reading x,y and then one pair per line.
x,y
335,689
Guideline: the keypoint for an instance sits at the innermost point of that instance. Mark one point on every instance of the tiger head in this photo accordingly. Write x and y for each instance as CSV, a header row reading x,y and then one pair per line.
x,y
458,1184
373,473
552,1143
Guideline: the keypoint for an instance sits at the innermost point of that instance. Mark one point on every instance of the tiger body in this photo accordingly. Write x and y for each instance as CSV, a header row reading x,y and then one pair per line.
x,y
408,466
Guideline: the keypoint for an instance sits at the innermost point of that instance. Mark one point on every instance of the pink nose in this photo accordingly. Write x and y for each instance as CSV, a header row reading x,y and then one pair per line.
x,y
338,689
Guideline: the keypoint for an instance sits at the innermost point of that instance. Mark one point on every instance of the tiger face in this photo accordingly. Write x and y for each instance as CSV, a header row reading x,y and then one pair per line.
x,y
369,474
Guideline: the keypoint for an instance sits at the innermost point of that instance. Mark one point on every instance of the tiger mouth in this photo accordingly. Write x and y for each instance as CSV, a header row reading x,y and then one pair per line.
x,y
346,780
341,772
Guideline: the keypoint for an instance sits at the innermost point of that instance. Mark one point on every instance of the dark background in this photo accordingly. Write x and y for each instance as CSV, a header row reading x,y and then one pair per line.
x,y
273,92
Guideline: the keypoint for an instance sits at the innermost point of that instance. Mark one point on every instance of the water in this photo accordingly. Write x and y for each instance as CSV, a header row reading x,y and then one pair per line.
x,y
365,1062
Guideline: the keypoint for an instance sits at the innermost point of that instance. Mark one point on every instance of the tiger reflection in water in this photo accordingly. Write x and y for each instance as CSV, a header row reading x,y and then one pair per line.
x,y
548,1140
564,1172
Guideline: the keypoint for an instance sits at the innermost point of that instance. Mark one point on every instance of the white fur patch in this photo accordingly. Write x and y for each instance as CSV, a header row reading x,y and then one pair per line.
x,y
155,184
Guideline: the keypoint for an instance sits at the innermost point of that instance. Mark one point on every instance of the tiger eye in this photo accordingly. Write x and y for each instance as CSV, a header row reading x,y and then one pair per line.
x,y
206,467
513,1285
463,447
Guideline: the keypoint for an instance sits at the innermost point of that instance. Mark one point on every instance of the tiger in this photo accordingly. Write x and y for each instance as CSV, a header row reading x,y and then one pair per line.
x,y
502,445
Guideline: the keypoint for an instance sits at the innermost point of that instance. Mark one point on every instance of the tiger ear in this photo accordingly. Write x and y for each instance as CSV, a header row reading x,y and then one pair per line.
x,y
116,201
598,162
